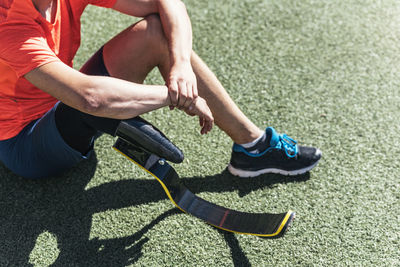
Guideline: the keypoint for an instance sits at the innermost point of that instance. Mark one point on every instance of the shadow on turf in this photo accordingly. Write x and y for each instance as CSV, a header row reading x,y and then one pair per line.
x,y
64,208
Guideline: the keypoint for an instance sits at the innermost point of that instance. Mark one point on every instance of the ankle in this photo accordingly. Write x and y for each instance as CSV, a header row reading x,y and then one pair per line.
x,y
248,137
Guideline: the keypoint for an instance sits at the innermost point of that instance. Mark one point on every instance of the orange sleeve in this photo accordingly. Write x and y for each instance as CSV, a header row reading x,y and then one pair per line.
x,y
102,3
24,48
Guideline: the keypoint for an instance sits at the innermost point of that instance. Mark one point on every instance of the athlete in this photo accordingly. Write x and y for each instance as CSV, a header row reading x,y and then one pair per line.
x,y
50,113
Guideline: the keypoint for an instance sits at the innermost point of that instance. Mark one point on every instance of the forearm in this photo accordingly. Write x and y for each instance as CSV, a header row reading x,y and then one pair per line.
x,y
97,95
177,29
119,99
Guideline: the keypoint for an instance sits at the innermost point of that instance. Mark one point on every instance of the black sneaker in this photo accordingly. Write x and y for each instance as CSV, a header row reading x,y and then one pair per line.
x,y
283,156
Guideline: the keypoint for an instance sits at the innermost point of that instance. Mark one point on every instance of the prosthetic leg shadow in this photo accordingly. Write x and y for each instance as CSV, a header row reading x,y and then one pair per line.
x,y
61,207
64,208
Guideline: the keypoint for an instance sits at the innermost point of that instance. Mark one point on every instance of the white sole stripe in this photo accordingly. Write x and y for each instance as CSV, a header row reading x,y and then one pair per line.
x,y
245,174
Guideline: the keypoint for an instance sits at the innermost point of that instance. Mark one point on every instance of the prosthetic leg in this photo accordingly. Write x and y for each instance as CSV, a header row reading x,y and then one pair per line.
x,y
150,149
141,133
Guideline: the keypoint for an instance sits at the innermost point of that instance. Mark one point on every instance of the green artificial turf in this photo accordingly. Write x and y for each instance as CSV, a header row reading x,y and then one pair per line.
x,y
324,72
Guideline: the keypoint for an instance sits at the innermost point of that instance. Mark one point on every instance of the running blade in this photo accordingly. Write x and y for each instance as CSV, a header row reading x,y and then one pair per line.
x,y
259,224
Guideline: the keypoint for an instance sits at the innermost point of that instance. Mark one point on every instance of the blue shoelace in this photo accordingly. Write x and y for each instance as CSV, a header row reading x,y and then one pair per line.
x,y
289,145
284,142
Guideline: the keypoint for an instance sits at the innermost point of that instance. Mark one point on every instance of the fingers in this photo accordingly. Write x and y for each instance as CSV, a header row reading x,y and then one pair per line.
x,y
173,91
189,98
182,92
206,125
200,108
186,94
194,89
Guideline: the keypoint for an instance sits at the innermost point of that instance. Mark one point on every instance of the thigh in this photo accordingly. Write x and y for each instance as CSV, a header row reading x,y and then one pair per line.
x,y
39,150
134,52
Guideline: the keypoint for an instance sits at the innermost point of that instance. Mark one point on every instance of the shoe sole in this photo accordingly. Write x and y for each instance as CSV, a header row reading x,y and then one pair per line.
x,y
245,174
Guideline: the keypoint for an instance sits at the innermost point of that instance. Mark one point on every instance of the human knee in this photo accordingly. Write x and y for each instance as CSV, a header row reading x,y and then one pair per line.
x,y
154,30
154,24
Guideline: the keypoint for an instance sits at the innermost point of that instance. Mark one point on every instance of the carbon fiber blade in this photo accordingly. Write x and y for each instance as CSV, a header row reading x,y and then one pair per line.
x,y
260,224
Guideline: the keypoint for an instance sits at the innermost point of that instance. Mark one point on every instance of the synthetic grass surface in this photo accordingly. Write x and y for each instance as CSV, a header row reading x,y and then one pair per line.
x,y
324,72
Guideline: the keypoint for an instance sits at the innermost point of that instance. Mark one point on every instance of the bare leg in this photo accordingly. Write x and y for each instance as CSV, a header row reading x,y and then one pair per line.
x,y
226,113
133,53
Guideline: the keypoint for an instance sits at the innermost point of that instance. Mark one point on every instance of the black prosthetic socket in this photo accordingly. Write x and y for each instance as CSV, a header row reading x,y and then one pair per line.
x,y
139,132
78,129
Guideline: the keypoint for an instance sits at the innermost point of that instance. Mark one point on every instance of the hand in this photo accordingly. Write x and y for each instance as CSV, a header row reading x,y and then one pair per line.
x,y
200,108
182,86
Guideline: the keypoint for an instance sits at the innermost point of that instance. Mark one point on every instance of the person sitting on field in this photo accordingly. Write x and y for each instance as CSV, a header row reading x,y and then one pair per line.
x,y
51,113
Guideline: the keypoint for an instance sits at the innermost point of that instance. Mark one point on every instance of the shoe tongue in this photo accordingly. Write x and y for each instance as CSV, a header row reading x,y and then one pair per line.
x,y
273,136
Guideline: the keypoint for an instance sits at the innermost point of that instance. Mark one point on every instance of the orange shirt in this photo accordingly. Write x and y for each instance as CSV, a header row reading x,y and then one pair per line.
x,y
28,41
